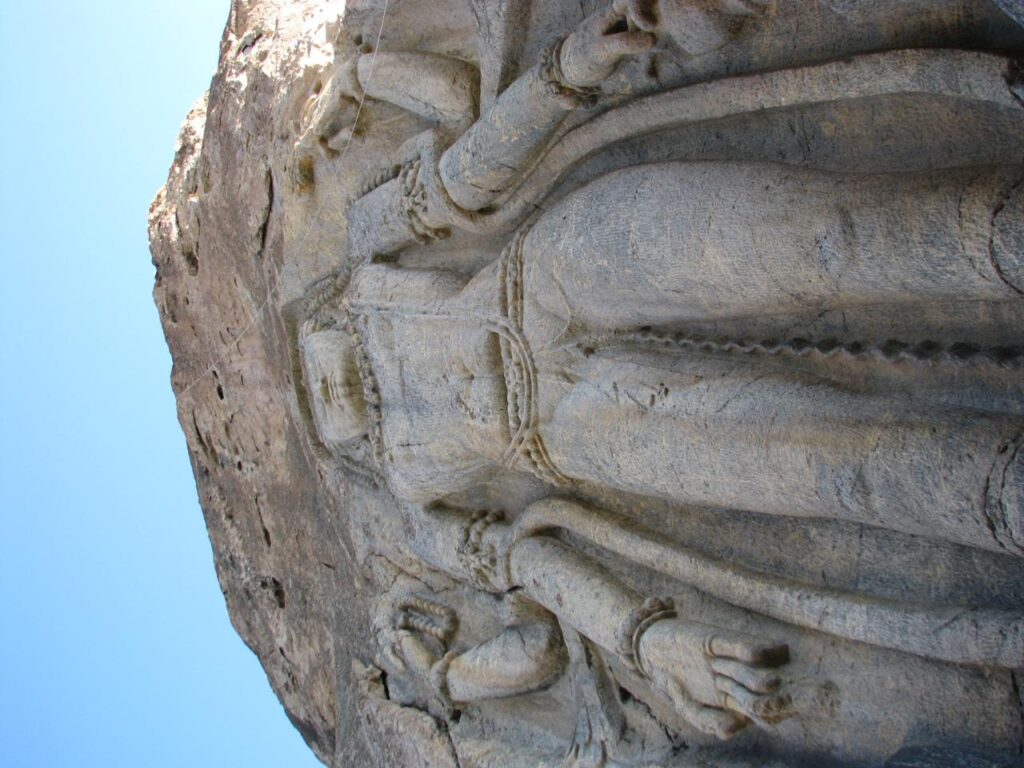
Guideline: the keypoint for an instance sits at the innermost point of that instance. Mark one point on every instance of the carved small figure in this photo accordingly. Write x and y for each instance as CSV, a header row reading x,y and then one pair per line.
x,y
527,656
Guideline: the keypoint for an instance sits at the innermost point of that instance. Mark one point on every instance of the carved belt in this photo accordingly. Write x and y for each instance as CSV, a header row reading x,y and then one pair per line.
x,y
526,445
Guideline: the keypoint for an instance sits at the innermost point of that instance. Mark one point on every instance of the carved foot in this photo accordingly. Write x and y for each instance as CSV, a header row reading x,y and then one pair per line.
x,y
718,680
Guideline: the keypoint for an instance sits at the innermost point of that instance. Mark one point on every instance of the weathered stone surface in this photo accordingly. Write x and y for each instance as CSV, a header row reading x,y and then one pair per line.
x,y
613,383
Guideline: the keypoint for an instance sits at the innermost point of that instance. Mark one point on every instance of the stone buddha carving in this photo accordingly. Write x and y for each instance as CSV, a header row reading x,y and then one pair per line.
x,y
574,357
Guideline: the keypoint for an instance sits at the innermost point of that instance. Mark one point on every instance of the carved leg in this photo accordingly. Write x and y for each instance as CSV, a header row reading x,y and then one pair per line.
x,y
735,432
689,241
957,634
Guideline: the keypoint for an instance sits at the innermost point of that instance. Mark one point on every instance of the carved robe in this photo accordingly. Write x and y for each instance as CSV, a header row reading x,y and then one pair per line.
x,y
535,363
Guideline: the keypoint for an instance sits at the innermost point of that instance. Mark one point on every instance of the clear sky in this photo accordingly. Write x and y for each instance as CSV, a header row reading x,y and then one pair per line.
x,y
115,644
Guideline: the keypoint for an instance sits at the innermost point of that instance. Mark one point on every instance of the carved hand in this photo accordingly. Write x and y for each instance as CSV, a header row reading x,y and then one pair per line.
x,y
591,53
718,680
402,642
416,657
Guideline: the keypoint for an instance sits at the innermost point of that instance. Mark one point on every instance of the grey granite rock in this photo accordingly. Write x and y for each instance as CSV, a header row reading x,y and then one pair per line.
x,y
631,383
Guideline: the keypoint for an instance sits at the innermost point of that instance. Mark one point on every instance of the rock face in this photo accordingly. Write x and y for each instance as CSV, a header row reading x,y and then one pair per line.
x,y
613,384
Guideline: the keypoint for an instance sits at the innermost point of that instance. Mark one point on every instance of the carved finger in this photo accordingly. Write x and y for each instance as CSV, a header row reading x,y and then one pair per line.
x,y
627,43
750,650
770,709
756,680
395,661
717,722
391,650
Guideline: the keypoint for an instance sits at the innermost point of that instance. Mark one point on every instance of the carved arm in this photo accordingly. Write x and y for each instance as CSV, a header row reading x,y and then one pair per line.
x,y
488,158
431,191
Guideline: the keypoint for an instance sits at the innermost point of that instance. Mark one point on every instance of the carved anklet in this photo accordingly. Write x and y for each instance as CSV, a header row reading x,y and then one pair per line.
x,y
633,627
479,560
569,95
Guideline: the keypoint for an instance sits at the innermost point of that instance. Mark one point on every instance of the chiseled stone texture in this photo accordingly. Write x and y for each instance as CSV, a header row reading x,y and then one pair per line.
x,y
635,383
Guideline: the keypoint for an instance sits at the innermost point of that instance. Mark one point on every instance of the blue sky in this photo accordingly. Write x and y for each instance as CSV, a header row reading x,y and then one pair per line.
x,y
115,642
